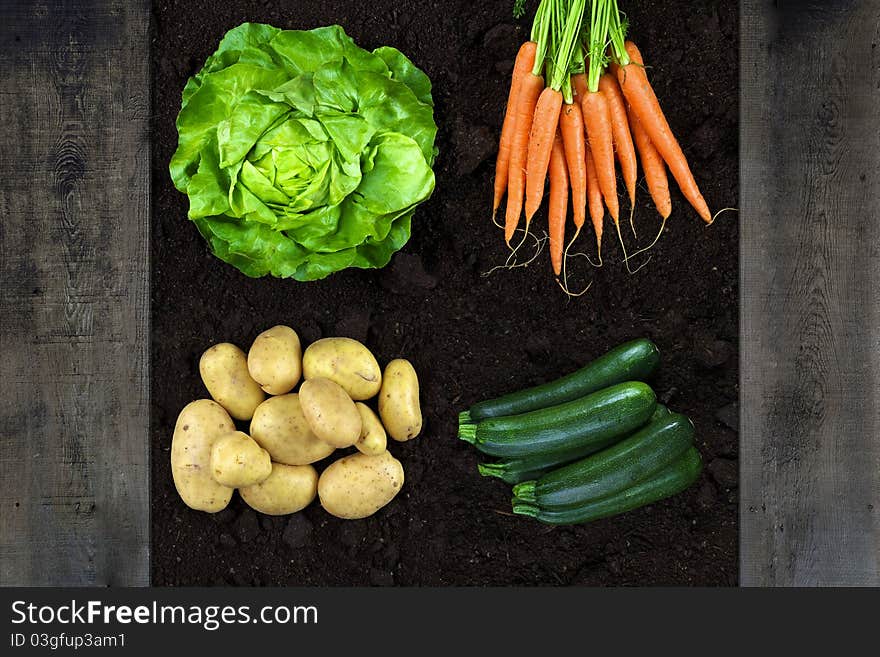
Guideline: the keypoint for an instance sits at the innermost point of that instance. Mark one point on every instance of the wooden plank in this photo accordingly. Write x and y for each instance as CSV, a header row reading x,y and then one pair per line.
x,y
810,177
74,173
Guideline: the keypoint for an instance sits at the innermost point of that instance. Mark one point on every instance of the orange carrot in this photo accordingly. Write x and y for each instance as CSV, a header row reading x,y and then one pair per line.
x,y
530,89
594,194
571,125
525,60
579,84
653,166
643,101
597,119
558,203
623,142
544,126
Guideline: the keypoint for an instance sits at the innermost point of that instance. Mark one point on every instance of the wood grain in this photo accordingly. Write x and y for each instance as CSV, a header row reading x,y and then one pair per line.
x,y
74,199
810,177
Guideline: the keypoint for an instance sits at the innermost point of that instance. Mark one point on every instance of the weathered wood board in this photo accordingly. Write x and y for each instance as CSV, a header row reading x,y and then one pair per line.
x,y
74,310
810,245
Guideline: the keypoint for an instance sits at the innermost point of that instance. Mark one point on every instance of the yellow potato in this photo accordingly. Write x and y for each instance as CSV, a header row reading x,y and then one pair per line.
x,y
275,360
280,428
225,373
373,439
399,401
290,488
198,426
237,460
346,362
331,414
359,485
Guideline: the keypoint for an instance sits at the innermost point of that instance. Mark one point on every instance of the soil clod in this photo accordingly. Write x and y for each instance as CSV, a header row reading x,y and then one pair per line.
x,y
298,532
246,526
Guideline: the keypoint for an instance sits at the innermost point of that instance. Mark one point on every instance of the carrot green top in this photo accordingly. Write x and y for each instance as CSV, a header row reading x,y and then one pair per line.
x,y
556,30
541,33
600,23
617,34
564,41
566,47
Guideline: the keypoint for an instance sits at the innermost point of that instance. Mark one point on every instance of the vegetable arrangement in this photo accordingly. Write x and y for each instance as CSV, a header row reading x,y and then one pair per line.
x,y
272,465
579,99
303,154
589,445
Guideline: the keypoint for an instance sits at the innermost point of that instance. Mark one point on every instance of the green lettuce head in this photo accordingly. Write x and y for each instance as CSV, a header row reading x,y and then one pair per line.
x,y
303,154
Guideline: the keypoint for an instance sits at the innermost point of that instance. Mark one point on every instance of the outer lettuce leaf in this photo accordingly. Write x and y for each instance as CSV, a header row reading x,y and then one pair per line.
x,y
308,51
303,154
405,71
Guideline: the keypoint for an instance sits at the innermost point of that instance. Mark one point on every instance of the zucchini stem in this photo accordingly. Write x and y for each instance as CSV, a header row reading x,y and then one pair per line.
x,y
525,492
523,509
468,433
492,469
464,418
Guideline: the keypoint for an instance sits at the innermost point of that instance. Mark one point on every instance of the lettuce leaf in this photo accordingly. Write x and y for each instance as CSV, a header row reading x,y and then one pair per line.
x,y
303,154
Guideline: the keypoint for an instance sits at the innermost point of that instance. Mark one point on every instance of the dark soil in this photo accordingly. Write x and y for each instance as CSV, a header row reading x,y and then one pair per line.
x,y
470,337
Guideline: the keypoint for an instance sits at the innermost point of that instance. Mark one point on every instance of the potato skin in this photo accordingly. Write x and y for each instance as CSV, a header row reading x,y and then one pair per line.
x,y
237,460
330,412
346,362
357,486
288,489
399,401
280,427
373,440
275,360
198,427
225,374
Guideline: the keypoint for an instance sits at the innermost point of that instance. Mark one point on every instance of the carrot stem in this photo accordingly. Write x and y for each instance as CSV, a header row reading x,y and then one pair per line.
x,y
617,34
565,50
600,20
540,33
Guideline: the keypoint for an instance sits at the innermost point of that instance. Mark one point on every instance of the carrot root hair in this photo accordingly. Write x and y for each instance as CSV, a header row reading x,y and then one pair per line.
x,y
715,216
539,247
632,223
511,262
581,254
646,249
626,257
564,282
573,295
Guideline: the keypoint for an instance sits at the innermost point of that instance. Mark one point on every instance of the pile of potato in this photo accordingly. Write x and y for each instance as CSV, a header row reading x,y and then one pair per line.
x,y
271,466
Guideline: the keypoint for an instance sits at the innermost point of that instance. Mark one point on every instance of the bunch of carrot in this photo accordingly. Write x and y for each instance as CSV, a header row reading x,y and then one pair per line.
x,y
579,98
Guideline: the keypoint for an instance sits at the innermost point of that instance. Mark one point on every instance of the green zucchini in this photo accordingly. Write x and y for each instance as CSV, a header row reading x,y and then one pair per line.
x,y
666,483
631,361
511,472
614,469
516,470
589,421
